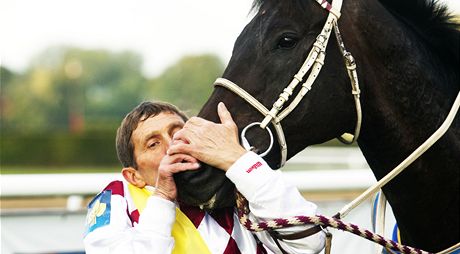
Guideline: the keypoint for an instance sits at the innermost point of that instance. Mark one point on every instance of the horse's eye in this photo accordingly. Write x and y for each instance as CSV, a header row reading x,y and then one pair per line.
x,y
287,42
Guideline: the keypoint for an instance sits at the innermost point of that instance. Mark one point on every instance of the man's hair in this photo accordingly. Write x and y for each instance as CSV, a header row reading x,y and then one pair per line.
x,y
145,110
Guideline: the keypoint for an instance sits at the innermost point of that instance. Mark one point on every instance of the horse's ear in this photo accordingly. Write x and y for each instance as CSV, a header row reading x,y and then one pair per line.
x,y
133,177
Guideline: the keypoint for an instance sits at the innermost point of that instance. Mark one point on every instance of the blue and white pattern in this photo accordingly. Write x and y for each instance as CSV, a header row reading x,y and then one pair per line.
x,y
98,211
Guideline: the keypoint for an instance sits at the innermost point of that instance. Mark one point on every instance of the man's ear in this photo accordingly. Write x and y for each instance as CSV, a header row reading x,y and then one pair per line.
x,y
133,177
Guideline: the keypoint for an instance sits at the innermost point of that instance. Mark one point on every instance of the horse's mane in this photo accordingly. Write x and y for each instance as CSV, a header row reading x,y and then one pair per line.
x,y
431,20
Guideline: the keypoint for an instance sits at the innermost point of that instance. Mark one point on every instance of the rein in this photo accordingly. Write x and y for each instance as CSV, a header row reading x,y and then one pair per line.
x,y
335,221
318,220
313,64
323,221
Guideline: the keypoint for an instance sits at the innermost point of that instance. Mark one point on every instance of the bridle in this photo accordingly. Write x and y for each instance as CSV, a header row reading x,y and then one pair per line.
x,y
313,64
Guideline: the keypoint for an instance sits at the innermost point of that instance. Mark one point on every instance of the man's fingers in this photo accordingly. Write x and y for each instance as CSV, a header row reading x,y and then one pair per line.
x,y
181,149
179,167
180,157
169,162
195,121
180,135
186,135
224,114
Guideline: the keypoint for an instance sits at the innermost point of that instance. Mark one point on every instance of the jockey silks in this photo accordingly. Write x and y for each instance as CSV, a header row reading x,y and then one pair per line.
x,y
124,219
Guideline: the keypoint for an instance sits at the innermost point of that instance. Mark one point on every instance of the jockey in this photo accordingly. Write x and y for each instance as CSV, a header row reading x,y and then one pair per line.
x,y
140,214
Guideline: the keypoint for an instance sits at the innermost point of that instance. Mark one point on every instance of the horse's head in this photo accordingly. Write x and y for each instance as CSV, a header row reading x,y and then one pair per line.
x,y
266,56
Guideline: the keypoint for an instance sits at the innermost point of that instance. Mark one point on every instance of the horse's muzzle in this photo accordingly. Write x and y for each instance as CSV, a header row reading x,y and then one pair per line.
x,y
207,188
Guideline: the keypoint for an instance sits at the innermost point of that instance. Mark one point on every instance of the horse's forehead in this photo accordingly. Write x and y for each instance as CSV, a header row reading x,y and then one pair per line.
x,y
293,12
266,6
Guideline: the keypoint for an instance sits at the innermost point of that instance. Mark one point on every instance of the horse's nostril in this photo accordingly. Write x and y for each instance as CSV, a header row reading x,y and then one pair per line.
x,y
209,205
255,150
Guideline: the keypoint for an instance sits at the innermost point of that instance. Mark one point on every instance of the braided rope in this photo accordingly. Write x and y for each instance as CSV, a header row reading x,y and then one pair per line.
x,y
243,211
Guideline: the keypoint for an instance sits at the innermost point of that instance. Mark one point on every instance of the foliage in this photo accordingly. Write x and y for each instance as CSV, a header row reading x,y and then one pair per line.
x,y
92,148
65,108
188,83
66,87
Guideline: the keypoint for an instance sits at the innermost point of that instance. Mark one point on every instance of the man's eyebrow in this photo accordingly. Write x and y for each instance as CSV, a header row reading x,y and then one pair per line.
x,y
174,125
169,127
150,136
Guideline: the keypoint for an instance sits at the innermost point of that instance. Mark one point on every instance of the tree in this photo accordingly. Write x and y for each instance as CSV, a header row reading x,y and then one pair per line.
x,y
72,89
66,88
6,78
187,83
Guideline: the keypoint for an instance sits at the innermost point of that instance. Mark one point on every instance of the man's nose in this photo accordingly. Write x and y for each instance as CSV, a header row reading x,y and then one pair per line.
x,y
168,141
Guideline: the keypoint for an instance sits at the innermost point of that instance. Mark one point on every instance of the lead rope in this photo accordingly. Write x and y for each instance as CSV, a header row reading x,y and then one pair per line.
x,y
405,163
335,222
324,221
314,63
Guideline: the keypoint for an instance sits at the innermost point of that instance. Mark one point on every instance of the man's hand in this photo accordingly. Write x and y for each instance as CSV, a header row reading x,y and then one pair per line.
x,y
215,144
165,186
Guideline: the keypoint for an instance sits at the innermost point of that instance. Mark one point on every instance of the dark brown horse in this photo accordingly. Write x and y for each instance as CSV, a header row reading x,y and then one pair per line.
x,y
407,53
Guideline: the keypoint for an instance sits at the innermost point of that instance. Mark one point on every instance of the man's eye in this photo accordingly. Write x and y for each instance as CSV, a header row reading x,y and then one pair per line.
x,y
153,144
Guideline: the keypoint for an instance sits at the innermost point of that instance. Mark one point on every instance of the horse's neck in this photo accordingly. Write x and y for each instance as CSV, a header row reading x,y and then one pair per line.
x,y
404,94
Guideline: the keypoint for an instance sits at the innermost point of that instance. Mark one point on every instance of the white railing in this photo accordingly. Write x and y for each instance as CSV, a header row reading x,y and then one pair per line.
x,y
354,175
342,169
85,184
54,184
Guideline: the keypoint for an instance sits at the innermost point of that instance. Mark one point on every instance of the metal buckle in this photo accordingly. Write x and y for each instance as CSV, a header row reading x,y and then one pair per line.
x,y
248,146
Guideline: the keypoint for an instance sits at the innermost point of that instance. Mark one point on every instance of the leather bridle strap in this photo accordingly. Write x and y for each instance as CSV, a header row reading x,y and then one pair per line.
x,y
306,233
353,76
294,236
261,108
312,65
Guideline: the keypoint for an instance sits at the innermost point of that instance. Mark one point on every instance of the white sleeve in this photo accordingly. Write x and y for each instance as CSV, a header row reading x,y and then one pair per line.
x,y
151,235
270,197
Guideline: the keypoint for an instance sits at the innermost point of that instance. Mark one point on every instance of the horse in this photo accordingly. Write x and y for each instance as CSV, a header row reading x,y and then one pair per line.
x,y
407,58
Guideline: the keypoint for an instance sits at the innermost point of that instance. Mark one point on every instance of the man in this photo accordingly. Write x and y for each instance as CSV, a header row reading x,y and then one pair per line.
x,y
154,142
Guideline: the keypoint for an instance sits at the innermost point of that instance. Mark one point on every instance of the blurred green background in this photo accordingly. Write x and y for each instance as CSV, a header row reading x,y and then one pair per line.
x,y
61,114
60,107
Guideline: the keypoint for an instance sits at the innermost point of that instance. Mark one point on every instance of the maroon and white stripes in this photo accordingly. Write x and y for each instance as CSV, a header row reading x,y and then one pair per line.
x,y
224,218
321,220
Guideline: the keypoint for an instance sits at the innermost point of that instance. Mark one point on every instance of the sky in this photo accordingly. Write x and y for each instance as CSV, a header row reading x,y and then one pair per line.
x,y
160,31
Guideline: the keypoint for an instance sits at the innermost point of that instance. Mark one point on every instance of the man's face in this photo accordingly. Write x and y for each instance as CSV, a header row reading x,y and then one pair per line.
x,y
151,140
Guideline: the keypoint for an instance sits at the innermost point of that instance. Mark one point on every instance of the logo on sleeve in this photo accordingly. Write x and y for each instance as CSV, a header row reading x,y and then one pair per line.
x,y
98,211
253,167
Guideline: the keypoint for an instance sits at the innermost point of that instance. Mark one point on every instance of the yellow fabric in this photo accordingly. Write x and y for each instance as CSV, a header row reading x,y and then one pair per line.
x,y
187,239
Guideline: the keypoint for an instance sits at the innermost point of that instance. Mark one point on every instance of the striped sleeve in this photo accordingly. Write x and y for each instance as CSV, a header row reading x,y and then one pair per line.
x,y
116,233
270,197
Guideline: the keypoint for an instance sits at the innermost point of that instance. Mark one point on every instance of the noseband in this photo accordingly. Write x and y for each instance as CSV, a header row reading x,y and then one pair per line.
x,y
313,63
